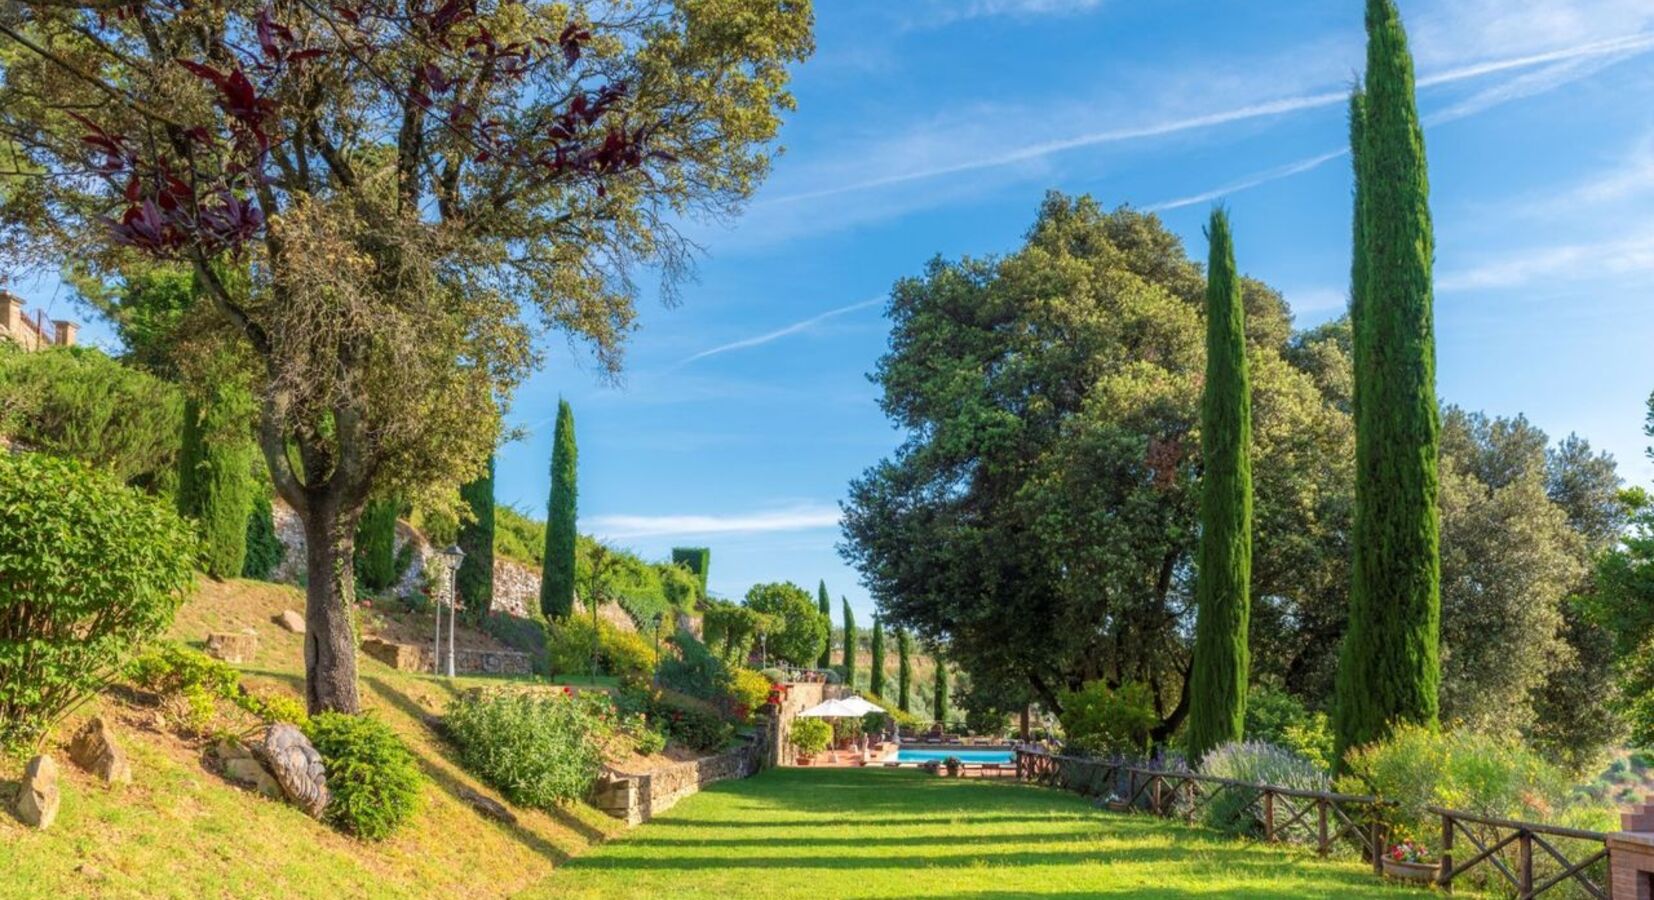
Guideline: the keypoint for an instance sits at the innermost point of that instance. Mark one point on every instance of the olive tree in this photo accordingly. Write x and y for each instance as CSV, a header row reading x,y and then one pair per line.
x,y
414,189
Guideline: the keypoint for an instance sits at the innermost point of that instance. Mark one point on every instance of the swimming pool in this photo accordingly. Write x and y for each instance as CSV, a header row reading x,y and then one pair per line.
x,y
912,755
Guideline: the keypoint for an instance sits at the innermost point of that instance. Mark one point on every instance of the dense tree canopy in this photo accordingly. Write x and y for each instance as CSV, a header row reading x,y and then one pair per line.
x,y
797,630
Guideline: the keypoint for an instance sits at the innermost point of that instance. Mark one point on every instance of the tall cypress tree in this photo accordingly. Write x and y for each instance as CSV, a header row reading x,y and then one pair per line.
x,y
1390,669
557,572
215,476
376,544
876,677
904,670
939,697
475,579
1218,680
264,547
826,607
849,645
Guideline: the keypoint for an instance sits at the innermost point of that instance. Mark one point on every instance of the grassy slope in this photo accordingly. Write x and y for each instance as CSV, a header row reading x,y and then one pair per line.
x,y
814,833
181,831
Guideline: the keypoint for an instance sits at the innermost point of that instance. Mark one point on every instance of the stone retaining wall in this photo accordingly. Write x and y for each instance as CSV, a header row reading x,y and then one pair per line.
x,y
419,658
637,798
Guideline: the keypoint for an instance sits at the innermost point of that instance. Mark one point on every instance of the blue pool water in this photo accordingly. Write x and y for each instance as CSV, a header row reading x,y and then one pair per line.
x,y
972,757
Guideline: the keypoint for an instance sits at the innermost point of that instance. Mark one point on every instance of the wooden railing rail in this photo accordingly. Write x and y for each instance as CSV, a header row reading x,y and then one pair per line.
x,y
1498,834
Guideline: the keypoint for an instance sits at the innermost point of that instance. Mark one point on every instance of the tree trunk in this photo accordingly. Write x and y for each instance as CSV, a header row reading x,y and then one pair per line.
x,y
330,590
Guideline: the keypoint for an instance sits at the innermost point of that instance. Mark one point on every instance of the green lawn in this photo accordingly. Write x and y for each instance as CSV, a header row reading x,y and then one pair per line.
x,y
883,833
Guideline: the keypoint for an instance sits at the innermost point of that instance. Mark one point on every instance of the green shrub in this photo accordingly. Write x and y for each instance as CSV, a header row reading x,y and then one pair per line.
x,y
376,545
1100,721
170,668
748,692
89,570
372,779
277,708
622,654
264,549
518,537
474,581
731,630
695,670
538,749
697,560
1254,762
649,741
698,729
77,402
1275,717
215,476
811,736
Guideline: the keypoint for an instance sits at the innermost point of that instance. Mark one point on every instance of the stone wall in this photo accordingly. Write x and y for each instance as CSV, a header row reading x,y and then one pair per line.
x,y
637,798
778,743
420,658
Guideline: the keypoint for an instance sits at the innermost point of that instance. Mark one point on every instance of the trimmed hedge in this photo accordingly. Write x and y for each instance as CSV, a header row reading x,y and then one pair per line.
x,y
372,779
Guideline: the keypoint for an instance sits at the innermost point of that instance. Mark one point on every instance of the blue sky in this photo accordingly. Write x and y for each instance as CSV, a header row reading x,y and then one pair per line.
x,y
928,127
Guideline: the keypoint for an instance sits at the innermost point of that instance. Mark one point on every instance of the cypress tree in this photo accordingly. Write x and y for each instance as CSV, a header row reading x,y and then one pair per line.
x,y
376,544
215,476
849,645
557,573
475,579
904,670
697,559
1218,680
876,678
826,607
1390,669
939,697
264,548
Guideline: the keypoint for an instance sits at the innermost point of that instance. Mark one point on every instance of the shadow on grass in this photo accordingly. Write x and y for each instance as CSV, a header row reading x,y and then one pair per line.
x,y
456,789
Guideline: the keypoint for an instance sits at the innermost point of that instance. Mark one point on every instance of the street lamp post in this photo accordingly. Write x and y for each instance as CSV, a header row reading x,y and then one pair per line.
x,y
454,556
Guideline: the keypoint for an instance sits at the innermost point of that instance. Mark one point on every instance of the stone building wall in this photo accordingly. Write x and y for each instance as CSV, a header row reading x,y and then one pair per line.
x,y
637,798
778,743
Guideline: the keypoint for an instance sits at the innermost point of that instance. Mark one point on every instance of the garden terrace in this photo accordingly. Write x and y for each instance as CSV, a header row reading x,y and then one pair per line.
x,y
886,833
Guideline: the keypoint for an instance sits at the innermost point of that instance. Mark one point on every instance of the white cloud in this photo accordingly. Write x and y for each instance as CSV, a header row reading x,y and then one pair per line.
x,y
1566,262
794,328
1251,181
946,12
798,518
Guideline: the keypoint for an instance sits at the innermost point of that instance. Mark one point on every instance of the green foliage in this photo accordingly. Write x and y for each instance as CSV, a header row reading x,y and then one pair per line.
x,y
748,692
525,634
731,629
518,537
77,402
1101,721
1276,717
1390,670
698,729
904,671
1417,767
189,683
558,575
875,681
1254,762
801,631
1621,603
695,670
623,654
215,476
649,741
825,607
698,560
376,545
373,781
811,736
538,749
475,579
1221,666
265,550
849,645
91,570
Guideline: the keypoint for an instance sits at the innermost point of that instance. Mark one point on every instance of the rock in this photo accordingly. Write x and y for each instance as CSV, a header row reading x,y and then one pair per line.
x,y
297,767
291,621
487,806
94,749
38,799
232,647
250,773
89,871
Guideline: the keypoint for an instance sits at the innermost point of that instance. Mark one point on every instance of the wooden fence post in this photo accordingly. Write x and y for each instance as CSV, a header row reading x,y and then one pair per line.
x,y
1322,845
1378,847
1269,816
1154,795
1445,879
1524,850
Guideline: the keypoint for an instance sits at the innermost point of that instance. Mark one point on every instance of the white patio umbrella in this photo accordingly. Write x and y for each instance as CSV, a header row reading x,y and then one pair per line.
x,y
863,706
833,709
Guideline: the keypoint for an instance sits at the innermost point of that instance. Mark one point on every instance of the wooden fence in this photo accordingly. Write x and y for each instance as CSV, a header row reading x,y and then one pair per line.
x,y
1493,838
1321,818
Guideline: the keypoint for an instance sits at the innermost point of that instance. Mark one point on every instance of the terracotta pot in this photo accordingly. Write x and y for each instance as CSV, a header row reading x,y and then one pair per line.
x,y
1415,872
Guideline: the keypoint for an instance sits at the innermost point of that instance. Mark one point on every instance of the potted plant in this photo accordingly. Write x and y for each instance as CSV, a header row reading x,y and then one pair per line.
x,y
1409,861
809,737
1117,803
953,765
931,767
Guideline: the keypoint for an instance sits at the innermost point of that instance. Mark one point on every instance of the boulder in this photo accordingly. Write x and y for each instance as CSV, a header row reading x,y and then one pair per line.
x,y
297,767
94,749
291,621
232,646
38,797
239,765
487,806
